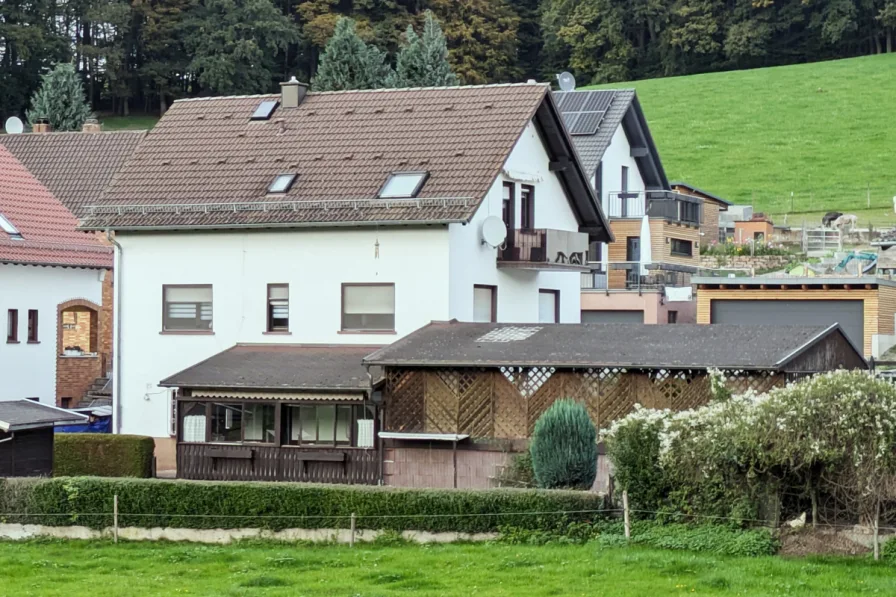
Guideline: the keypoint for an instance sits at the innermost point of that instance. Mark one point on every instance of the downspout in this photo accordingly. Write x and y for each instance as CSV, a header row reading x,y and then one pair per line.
x,y
117,272
378,426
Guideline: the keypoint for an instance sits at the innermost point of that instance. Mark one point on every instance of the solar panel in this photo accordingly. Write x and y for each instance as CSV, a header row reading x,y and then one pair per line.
x,y
264,110
587,123
569,118
574,101
598,101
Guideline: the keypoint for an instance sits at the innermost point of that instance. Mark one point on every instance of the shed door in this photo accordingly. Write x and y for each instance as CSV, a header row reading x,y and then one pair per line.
x,y
612,316
847,313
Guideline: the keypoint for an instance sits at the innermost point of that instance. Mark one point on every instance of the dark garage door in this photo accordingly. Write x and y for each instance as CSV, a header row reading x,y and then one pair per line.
x,y
847,313
612,316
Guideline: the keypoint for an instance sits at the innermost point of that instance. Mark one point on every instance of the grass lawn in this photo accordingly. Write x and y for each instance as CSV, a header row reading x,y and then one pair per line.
x,y
128,123
96,569
824,131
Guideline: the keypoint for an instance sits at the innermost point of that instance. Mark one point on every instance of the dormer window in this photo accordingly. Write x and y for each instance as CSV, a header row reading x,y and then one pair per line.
x,y
282,183
402,185
264,110
7,227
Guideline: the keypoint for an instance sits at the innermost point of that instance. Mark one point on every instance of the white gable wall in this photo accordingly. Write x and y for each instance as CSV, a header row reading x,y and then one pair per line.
x,y
29,370
472,262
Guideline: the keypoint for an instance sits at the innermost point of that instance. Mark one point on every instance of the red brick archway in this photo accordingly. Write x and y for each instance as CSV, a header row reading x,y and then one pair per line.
x,y
78,323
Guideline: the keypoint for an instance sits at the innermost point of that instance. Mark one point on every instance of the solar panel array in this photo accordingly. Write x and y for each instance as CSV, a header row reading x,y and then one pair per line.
x,y
583,111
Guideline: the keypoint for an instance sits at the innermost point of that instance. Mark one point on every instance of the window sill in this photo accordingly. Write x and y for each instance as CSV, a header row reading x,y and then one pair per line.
x,y
276,333
13,342
86,355
376,332
187,333
679,255
33,341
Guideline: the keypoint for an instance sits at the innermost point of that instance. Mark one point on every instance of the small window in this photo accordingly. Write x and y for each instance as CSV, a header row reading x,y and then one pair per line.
x,y
12,326
672,317
368,307
682,248
7,227
527,207
282,183
66,402
32,325
187,308
403,184
278,307
192,427
507,205
485,303
227,422
264,110
328,425
548,306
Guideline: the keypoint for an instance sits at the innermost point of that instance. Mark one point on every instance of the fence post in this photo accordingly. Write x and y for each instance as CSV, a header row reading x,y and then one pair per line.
x,y
351,540
876,531
115,517
625,515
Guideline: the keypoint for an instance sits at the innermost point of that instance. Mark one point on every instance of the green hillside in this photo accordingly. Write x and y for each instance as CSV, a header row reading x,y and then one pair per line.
x,y
824,131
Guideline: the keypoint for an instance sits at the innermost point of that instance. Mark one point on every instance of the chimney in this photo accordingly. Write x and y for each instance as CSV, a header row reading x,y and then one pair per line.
x,y
292,93
41,126
92,125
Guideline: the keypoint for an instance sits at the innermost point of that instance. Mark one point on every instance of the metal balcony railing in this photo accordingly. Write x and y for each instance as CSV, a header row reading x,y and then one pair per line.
x,y
634,278
656,204
545,246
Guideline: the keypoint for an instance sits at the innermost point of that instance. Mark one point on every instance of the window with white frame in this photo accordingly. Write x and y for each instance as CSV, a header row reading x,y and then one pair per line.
x,y
403,185
187,308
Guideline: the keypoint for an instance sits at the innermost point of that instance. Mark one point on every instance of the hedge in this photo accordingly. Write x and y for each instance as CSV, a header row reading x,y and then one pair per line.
x,y
146,503
102,455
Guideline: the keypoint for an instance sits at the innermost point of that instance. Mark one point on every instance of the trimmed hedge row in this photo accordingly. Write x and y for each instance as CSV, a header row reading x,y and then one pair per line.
x,y
102,455
146,503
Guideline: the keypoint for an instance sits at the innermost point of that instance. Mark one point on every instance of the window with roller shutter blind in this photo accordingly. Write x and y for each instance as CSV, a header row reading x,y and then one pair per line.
x,y
368,307
278,308
187,308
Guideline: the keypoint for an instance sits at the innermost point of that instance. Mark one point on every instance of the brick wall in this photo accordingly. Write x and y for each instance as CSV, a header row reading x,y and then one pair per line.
x,y
106,314
77,329
74,375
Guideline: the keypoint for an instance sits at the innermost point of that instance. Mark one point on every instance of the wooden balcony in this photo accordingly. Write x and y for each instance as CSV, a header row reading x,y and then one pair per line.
x,y
544,249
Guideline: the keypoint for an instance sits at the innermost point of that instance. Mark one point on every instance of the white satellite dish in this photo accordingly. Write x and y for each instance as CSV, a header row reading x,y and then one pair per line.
x,y
567,81
14,126
494,231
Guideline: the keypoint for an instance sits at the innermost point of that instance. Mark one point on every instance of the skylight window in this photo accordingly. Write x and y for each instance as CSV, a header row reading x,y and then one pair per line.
x,y
282,183
7,227
264,110
403,185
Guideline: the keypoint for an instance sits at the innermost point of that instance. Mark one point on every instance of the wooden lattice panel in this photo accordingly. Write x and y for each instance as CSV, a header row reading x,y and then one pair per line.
x,y
545,387
475,401
405,394
739,381
441,407
510,409
617,395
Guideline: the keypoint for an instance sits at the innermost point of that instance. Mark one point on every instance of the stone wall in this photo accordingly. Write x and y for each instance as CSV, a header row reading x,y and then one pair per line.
x,y
758,263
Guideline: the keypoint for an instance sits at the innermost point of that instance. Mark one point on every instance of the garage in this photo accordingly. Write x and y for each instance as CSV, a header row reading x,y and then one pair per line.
x,y
848,313
612,316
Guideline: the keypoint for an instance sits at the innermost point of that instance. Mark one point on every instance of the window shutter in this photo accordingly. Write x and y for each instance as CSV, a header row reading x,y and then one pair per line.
x,y
188,295
369,299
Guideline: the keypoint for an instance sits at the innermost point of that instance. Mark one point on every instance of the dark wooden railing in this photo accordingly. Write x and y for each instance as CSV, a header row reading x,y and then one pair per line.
x,y
216,462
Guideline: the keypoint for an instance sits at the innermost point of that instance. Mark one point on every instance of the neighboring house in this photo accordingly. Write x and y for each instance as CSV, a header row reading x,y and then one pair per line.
x,y
643,275
864,306
459,397
26,437
338,218
709,216
51,292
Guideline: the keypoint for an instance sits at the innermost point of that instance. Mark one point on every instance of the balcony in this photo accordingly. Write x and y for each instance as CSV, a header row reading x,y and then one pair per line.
x,y
656,204
628,275
544,249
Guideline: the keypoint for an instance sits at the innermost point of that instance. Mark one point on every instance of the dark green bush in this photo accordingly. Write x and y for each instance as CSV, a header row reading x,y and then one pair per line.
x,y
888,551
564,447
102,455
209,505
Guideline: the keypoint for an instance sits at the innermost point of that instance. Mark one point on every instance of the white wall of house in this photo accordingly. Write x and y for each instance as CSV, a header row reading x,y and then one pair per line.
x,y
28,370
239,266
472,262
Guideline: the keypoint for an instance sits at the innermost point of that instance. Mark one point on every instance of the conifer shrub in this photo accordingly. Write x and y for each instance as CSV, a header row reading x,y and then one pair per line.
x,y
564,447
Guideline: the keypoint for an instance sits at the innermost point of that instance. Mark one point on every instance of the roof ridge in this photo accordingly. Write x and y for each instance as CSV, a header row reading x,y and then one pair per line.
x,y
73,133
381,90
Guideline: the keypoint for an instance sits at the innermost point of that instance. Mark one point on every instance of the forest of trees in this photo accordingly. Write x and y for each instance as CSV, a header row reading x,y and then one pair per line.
x,y
139,55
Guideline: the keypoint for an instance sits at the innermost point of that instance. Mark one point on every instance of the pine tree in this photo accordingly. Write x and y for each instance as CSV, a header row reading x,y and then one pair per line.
x,y
60,100
423,61
349,63
564,447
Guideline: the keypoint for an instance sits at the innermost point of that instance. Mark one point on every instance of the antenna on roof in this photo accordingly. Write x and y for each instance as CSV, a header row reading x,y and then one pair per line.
x,y
14,126
567,81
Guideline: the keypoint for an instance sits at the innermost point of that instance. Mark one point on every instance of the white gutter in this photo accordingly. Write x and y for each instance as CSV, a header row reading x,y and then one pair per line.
x,y
117,272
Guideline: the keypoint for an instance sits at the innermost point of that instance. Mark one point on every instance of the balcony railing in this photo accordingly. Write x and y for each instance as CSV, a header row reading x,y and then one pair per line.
x,y
656,204
544,249
634,278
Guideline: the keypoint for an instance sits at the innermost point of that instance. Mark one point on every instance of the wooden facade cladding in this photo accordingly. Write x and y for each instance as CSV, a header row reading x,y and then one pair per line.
x,y
505,403
661,247
709,224
617,250
870,311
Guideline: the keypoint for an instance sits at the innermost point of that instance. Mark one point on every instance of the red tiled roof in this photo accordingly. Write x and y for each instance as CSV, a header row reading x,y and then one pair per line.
x,y
49,230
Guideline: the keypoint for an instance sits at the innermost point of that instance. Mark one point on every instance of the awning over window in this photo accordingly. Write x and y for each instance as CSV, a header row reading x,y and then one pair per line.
x,y
298,396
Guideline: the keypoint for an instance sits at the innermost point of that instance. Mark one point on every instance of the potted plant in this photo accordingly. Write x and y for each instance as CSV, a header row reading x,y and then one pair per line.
x,y
73,351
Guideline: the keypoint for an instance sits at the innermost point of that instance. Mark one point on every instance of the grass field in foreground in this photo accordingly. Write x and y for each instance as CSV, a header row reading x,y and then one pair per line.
x,y
824,131
98,569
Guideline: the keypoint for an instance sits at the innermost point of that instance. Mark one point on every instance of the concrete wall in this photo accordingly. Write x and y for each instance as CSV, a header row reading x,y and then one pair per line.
x,y
28,370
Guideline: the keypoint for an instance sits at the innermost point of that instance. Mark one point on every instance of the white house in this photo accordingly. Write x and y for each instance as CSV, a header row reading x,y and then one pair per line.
x,y
47,270
343,218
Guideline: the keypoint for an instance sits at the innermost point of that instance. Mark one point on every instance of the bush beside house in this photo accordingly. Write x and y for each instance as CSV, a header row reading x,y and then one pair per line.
x,y
102,455
564,447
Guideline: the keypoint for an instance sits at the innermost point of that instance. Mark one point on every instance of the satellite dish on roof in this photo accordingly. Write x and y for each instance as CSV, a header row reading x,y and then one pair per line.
x,y
494,231
14,126
567,81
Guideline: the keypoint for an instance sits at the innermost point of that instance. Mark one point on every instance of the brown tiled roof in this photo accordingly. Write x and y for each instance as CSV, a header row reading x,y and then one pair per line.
x,y
76,167
282,367
206,163
48,230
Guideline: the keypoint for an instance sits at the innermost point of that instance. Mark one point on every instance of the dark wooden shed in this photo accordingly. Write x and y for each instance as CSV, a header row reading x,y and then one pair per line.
x,y
26,437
